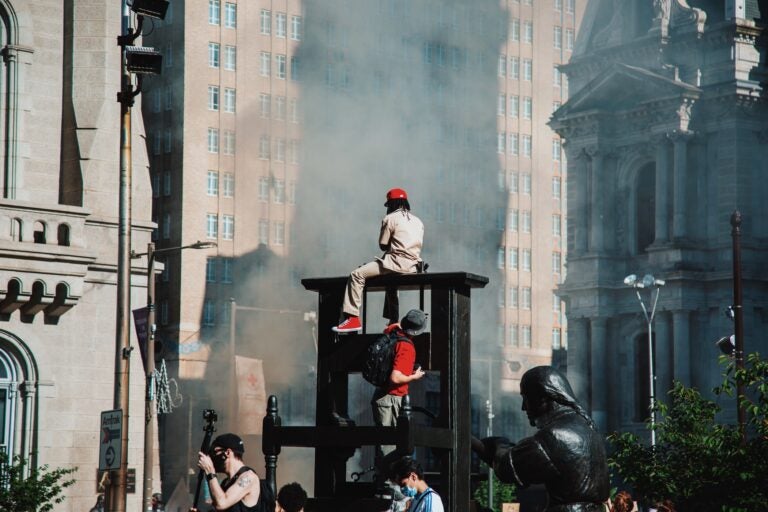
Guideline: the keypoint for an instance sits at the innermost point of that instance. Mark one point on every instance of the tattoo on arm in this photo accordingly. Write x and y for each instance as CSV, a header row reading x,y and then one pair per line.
x,y
244,481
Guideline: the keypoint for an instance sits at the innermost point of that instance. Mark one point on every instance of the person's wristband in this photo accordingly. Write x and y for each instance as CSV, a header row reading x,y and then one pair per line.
x,y
210,476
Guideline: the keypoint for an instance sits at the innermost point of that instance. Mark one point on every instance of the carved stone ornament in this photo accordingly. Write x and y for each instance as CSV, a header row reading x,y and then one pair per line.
x,y
684,17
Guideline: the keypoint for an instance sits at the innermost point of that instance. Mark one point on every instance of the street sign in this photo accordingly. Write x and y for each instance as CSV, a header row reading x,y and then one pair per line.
x,y
109,439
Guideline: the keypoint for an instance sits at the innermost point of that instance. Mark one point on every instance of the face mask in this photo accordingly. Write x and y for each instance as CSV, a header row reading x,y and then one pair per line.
x,y
408,492
219,462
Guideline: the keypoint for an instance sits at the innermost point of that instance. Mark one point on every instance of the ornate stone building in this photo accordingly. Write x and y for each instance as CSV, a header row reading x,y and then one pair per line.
x,y
666,132
58,236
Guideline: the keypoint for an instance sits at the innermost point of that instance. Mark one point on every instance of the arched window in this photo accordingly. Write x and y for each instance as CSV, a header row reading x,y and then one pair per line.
x,y
16,233
645,207
8,390
62,235
39,232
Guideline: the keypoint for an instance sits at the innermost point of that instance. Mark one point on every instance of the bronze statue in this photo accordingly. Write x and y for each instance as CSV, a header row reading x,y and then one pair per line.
x,y
567,454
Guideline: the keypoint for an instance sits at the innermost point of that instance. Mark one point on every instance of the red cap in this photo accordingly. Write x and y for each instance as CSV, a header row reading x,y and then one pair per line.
x,y
395,193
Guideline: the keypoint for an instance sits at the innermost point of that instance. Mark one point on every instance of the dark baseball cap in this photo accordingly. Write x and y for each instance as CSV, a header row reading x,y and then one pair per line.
x,y
414,322
231,441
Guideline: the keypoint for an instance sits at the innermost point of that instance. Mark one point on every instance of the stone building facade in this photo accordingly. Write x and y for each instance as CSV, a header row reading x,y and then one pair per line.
x,y
58,236
665,135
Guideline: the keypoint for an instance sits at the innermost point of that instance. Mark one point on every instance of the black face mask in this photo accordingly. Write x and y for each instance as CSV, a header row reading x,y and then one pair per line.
x,y
219,461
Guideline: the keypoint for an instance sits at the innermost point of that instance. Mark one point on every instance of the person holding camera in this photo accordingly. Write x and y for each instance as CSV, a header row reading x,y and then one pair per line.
x,y
241,490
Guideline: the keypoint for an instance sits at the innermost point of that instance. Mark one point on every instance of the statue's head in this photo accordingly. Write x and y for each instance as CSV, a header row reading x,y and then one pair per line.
x,y
542,389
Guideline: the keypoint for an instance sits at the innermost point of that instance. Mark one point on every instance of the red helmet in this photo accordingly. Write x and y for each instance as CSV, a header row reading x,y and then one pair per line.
x,y
395,193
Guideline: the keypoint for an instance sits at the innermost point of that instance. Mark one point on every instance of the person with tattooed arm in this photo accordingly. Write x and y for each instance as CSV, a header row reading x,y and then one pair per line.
x,y
241,490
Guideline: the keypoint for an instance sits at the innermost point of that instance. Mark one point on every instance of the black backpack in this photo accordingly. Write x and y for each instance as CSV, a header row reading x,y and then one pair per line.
x,y
380,357
267,498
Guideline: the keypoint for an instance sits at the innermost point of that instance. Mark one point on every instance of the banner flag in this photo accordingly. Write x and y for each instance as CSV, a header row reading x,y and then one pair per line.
x,y
251,395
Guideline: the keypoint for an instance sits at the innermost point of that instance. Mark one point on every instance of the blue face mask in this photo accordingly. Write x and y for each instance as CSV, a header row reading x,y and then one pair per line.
x,y
408,492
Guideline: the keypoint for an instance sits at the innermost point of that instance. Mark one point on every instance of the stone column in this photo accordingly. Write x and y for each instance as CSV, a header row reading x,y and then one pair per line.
x,y
663,355
680,207
578,358
682,351
597,201
598,374
662,194
581,201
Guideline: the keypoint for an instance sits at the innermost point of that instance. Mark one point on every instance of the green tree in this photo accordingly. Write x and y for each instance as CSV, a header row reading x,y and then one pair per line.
x,y
700,464
502,493
37,492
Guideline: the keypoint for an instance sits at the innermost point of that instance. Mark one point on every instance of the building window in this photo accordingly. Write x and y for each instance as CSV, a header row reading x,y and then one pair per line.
x,y
293,151
293,110
265,63
526,336
167,183
211,225
514,68
214,12
156,185
513,336
513,298
514,106
526,260
501,105
528,32
229,185
213,55
513,220
263,231
527,146
526,300
230,15
295,69
209,313
556,304
513,258
292,192
513,182
556,149
280,63
527,183
168,141
280,24
555,105
228,227
264,147
165,275
280,150
502,65
280,108
229,142
213,97
514,144
230,58
527,70
163,312
265,105
557,35
279,233
570,6
210,270
213,183
226,270
157,102
527,107
500,259
266,22
263,189
500,141
213,140
556,344
556,225
569,38
526,221
556,187
556,76
501,179
166,226
558,5
556,262
296,28
500,298
279,191
514,30
230,99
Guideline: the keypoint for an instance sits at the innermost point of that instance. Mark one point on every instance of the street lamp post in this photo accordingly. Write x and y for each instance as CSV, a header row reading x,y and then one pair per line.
x,y
738,322
648,281
150,397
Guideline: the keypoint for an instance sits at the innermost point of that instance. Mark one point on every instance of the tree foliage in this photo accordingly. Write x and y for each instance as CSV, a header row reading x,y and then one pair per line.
x,y
37,492
502,493
700,464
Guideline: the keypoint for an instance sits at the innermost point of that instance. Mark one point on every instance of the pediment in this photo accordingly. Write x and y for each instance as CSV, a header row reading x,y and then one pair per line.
x,y
625,88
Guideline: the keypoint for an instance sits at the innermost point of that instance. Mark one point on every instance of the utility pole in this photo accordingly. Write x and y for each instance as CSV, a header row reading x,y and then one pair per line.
x,y
738,321
117,488
150,406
